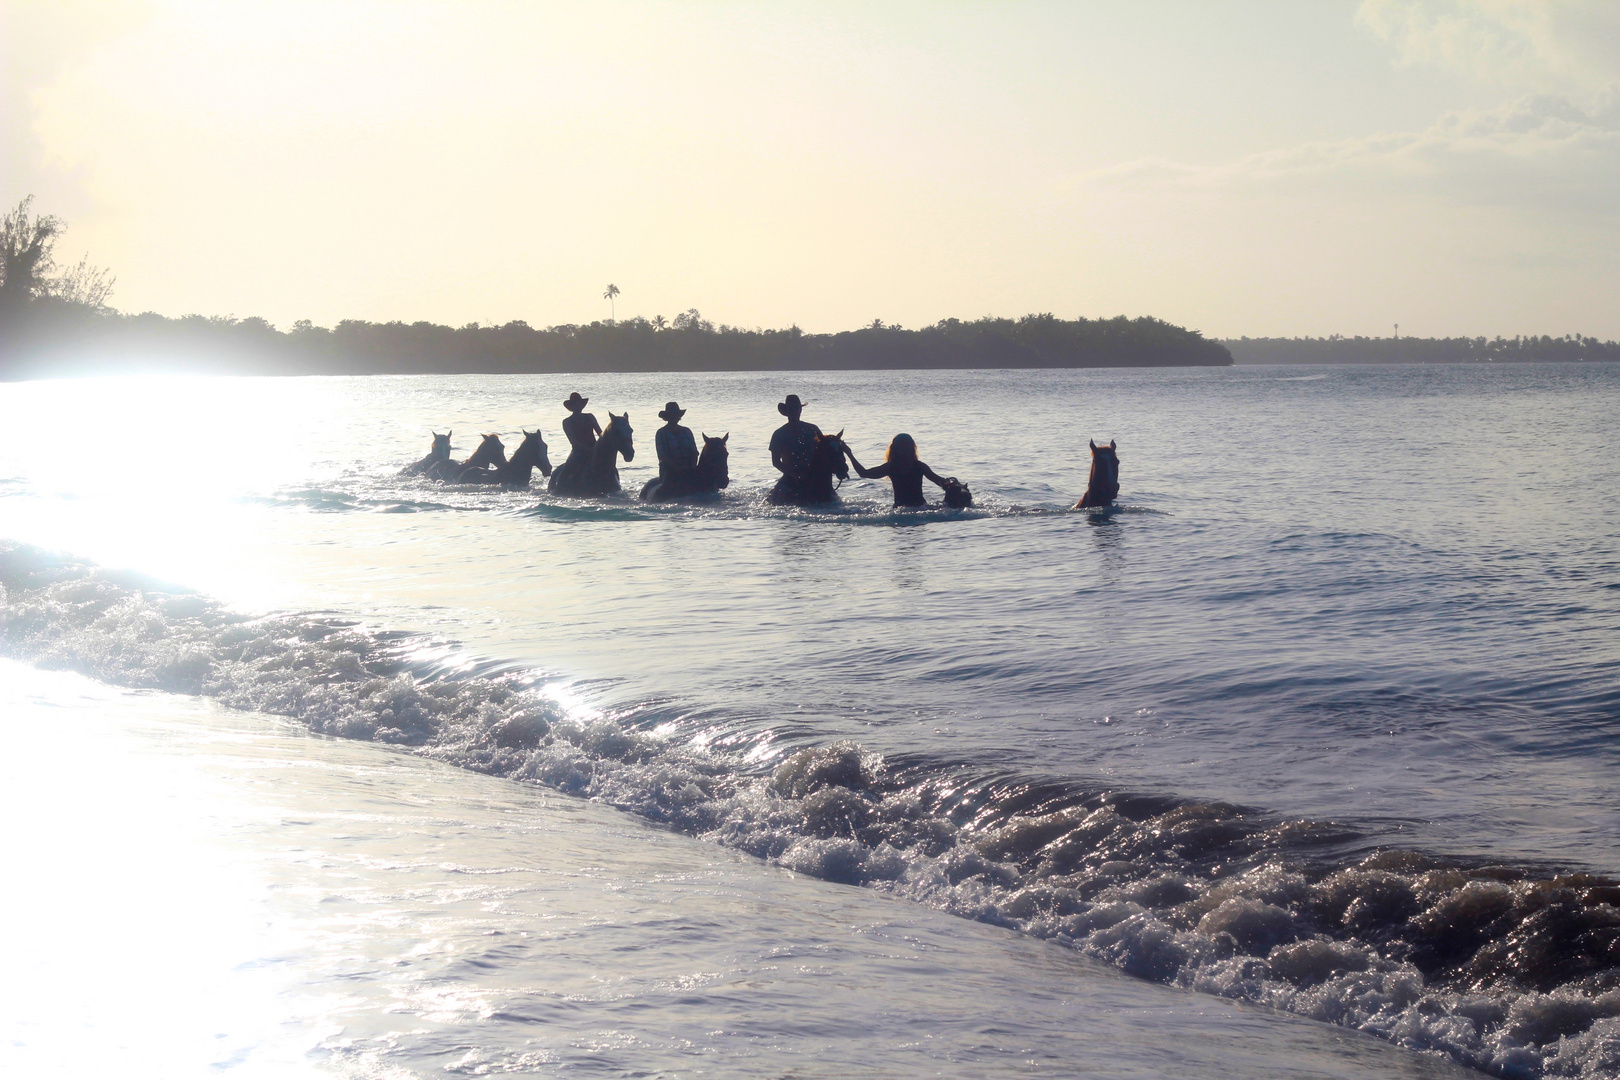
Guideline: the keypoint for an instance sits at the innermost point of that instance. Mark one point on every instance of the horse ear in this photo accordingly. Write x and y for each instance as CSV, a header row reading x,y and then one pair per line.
x,y
840,434
726,436
1111,445
1093,445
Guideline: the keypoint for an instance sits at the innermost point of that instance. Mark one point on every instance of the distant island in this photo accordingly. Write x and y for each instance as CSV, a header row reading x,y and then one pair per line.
x,y
61,325
54,325
1406,350
49,337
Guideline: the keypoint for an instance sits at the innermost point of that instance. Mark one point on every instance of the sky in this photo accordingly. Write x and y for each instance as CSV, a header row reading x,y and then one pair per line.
x,y
1241,168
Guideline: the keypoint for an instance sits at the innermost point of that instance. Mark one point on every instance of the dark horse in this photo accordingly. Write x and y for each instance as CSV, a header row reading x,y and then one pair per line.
x,y
816,486
601,474
1103,488
490,452
513,472
519,468
708,476
440,452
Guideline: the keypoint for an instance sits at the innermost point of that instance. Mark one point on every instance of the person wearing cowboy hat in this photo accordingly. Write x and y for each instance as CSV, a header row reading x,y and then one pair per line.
x,y
677,450
582,429
794,442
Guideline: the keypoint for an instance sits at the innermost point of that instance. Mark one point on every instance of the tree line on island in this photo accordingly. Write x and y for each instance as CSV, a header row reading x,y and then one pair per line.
x,y
1338,349
62,325
56,324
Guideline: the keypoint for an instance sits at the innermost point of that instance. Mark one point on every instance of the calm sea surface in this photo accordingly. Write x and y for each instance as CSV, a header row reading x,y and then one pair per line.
x,y
1321,716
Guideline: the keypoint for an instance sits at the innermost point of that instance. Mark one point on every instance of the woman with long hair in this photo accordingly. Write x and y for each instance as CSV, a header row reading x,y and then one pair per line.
x,y
903,470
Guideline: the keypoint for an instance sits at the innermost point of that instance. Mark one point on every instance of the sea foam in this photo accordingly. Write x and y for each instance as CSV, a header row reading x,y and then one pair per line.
x,y
1510,970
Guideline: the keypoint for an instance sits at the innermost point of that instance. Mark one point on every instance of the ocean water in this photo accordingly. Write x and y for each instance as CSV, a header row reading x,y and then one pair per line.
x,y
1319,719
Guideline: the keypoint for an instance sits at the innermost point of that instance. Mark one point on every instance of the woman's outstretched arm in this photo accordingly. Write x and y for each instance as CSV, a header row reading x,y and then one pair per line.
x,y
926,471
865,473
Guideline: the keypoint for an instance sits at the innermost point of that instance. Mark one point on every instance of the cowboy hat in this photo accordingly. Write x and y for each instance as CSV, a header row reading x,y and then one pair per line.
x,y
575,401
791,405
672,412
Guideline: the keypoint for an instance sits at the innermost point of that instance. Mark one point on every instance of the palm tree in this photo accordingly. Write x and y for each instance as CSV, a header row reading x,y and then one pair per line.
x,y
659,322
612,291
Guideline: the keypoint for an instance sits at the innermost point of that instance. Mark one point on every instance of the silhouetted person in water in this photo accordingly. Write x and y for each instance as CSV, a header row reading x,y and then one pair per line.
x,y
677,450
582,429
793,445
903,470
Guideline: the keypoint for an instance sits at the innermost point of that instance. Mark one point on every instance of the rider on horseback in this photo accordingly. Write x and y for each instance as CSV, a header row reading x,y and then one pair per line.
x,y
582,429
793,444
677,450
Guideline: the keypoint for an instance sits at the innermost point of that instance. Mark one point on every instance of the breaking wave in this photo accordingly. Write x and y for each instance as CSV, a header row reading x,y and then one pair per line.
x,y
1511,969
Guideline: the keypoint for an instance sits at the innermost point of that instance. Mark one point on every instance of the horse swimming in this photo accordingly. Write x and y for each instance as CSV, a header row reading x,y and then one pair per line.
x,y
490,453
1103,487
439,453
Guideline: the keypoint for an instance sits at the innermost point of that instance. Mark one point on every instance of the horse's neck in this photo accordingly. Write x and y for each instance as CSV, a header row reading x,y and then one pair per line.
x,y
607,448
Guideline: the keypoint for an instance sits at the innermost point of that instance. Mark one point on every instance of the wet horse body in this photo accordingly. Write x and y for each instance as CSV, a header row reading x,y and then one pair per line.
x,y
600,475
815,487
1103,487
439,454
491,453
518,470
711,473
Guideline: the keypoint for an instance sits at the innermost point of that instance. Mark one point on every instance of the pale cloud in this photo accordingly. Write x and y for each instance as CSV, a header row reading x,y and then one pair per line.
x,y
1570,45
1540,154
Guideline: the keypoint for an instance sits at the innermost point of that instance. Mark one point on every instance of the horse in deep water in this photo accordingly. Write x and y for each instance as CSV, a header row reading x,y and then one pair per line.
x,y
708,476
601,476
516,471
1103,487
439,453
816,486
490,452
530,455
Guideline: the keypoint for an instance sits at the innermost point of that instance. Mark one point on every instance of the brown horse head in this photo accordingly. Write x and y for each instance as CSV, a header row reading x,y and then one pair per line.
x,y
490,452
1103,487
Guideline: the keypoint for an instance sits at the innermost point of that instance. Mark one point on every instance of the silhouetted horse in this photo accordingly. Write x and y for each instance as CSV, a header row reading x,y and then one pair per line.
x,y
826,462
529,456
708,476
439,453
601,474
490,452
1103,488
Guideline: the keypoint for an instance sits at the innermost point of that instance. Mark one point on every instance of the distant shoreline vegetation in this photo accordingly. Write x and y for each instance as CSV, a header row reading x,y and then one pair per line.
x,y
49,337
1390,350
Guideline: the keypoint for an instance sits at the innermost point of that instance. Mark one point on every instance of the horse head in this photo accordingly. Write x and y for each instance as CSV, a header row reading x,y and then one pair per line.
x,y
829,455
441,447
1103,487
532,452
712,462
490,452
620,427
1105,464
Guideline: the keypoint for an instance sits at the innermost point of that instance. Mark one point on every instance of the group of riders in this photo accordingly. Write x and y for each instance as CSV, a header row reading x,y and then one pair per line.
x,y
807,459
